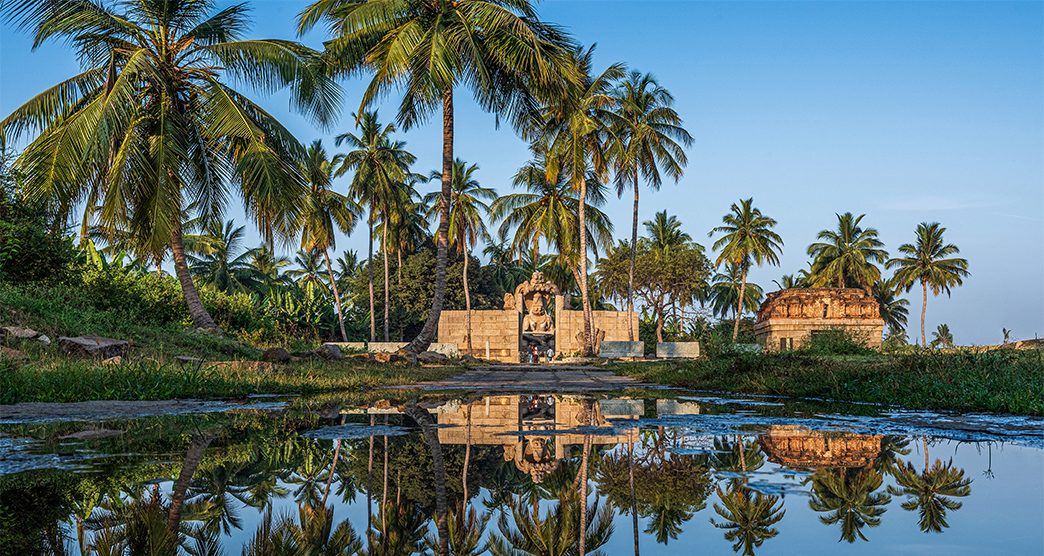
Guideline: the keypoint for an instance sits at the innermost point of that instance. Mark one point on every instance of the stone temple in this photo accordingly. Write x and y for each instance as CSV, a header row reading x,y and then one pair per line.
x,y
788,318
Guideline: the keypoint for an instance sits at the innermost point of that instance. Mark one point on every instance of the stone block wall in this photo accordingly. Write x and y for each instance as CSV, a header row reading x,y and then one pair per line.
x,y
783,334
569,322
500,329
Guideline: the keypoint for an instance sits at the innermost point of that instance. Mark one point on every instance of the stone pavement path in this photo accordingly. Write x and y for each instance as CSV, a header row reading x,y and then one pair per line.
x,y
529,379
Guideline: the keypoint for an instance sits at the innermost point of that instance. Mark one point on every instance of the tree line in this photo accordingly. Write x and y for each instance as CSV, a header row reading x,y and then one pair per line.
x,y
148,145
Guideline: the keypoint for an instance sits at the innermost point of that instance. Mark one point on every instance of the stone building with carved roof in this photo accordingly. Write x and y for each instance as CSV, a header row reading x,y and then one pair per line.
x,y
788,318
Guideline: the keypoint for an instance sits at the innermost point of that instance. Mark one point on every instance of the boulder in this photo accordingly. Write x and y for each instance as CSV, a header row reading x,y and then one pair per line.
x,y
329,352
466,358
432,358
9,354
95,347
275,355
188,361
19,332
387,357
361,357
43,339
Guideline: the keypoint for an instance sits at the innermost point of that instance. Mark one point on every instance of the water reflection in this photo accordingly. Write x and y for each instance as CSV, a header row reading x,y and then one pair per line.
x,y
511,474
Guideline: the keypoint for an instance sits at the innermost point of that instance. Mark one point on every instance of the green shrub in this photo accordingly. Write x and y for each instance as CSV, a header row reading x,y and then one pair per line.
x,y
836,341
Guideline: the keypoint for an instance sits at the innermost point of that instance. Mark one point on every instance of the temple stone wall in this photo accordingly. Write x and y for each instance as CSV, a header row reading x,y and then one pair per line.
x,y
788,318
795,446
499,328
568,323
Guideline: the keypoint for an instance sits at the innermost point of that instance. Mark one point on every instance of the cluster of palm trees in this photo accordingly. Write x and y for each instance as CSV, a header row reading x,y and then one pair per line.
x,y
150,137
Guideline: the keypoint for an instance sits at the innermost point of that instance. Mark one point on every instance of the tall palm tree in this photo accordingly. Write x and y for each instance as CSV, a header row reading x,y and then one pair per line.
x,y
268,268
930,261
469,204
891,307
942,337
725,292
380,164
846,257
665,232
650,141
323,213
555,534
747,517
309,271
151,124
549,210
747,237
501,51
215,258
575,125
932,491
397,208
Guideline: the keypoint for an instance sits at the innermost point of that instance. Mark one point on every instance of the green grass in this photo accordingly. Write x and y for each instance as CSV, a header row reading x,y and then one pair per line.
x,y
1003,381
64,380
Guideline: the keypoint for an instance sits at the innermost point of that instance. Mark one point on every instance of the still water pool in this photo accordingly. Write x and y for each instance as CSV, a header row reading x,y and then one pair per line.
x,y
506,474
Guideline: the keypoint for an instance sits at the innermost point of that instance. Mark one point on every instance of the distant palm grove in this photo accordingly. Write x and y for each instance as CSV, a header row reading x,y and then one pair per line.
x,y
130,167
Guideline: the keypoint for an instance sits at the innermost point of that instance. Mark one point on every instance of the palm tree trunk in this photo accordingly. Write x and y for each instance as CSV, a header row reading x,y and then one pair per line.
x,y
427,333
924,439
337,296
467,457
333,467
387,295
739,304
924,309
369,268
467,301
588,325
630,271
583,495
384,487
188,468
634,500
201,319
369,492
423,419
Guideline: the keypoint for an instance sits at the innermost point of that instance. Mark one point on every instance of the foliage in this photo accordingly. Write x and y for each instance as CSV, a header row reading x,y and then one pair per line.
x,y
836,341
847,257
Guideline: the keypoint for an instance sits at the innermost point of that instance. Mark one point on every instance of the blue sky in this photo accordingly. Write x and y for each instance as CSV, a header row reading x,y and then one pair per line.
x,y
905,111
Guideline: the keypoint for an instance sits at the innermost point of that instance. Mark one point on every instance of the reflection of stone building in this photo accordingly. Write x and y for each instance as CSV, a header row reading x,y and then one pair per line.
x,y
795,446
788,318
535,431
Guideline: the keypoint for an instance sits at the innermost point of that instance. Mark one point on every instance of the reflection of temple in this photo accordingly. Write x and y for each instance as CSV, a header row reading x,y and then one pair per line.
x,y
788,318
527,426
795,446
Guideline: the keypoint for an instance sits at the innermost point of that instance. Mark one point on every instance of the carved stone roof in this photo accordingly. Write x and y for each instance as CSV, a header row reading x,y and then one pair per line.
x,y
819,303
795,446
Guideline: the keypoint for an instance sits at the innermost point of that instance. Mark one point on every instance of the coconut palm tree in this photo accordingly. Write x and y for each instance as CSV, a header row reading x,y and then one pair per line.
x,y
268,267
725,292
323,213
469,204
847,256
893,308
747,237
501,51
575,125
747,517
849,497
942,337
549,210
930,261
309,271
215,258
151,124
380,166
665,232
931,492
650,141
555,534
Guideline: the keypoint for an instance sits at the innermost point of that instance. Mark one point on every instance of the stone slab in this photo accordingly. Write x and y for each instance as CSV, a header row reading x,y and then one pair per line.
x,y
621,408
675,407
617,349
677,350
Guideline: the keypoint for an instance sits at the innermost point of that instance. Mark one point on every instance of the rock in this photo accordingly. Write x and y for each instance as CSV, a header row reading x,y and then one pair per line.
x,y
188,361
275,355
431,357
19,332
329,352
9,354
469,359
387,357
114,360
91,434
361,357
43,339
93,346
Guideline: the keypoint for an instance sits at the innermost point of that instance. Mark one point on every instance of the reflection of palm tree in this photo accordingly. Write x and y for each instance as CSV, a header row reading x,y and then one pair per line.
x,y
557,533
466,530
400,530
423,419
313,533
848,495
747,517
931,491
213,497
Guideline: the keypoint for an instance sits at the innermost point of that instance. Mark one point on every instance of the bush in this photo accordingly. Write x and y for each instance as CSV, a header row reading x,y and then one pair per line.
x,y
836,342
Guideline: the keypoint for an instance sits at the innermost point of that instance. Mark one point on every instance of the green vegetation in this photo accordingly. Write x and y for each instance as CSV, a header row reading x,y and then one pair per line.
x,y
1004,381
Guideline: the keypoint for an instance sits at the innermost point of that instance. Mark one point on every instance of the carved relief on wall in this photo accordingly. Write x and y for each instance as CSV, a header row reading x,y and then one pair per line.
x,y
536,293
819,303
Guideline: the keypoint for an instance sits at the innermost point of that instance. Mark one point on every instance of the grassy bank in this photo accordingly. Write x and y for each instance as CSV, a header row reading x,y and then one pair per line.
x,y
64,380
1004,381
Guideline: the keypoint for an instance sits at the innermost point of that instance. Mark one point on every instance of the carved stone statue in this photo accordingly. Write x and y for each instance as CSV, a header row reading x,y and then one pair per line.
x,y
509,302
537,320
